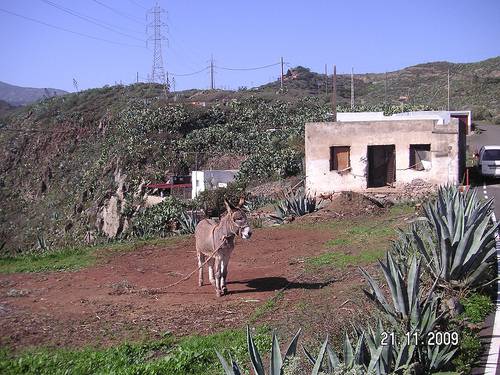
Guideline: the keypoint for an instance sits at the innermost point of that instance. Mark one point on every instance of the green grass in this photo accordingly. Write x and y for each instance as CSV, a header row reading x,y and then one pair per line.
x,y
337,242
73,258
268,306
342,260
191,355
367,237
477,307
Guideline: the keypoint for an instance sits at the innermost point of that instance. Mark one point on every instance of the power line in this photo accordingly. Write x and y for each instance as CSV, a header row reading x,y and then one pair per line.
x,y
190,74
256,68
139,5
119,12
89,19
67,30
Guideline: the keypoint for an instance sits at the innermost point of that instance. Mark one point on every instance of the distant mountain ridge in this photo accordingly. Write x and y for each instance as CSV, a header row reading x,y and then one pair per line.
x,y
17,95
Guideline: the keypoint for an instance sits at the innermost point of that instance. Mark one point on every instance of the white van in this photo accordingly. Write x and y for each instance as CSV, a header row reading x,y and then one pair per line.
x,y
489,161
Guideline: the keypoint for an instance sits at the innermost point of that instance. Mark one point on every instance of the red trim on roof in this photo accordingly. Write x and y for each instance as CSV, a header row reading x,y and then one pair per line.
x,y
168,186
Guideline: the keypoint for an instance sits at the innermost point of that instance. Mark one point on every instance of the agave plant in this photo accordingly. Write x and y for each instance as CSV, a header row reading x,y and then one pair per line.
x,y
354,357
257,201
276,364
187,222
464,245
409,313
406,306
296,204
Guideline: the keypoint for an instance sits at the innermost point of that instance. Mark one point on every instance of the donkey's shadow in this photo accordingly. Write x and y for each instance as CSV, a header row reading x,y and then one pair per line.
x,y
269,284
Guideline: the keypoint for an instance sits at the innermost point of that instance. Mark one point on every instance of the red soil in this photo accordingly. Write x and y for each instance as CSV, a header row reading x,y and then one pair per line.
x,y
93,306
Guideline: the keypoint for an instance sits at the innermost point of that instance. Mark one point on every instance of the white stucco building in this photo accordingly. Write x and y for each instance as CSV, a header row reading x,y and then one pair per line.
x,y
372,150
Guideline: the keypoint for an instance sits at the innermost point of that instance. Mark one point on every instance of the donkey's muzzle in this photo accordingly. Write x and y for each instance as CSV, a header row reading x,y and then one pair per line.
x,y
246,233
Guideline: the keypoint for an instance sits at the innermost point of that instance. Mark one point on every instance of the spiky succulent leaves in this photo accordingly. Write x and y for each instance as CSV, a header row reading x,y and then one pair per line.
x,y
404,358
254,355
381,357
413,291
295,204
397,285
276,361
309,356
464,237
292,347
229,370
361,355
333,359
348,352
439,356
319,359
428,318
187,222
374,365
377,296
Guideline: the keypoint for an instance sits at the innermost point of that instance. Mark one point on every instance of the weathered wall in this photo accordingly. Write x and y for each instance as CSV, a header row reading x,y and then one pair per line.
x,y
319,137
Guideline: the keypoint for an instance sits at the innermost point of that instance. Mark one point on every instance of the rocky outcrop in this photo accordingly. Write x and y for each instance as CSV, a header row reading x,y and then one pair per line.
x,y
110,219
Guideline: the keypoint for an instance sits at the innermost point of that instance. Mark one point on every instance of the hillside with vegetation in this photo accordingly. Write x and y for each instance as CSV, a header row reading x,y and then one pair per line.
x,y
73,167
473,86
17,95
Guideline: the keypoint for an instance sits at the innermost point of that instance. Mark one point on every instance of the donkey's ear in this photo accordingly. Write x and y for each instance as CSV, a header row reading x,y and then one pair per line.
x,y
241,202
228,205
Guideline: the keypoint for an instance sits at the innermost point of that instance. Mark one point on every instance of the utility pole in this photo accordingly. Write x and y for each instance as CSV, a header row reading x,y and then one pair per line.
x,y
326,79
448,89
157,70
352,89
282,74
334,93
385,89
137,78
212,85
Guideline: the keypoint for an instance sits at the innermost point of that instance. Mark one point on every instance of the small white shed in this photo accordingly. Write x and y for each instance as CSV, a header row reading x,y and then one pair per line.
x,y
210,180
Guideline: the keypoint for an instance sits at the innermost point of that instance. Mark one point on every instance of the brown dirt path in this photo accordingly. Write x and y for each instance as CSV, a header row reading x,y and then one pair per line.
x,y
89,306
72,308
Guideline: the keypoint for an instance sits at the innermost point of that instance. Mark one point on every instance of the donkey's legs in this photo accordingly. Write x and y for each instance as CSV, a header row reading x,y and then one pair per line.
x,y
224,269
217,275
201,260
211,271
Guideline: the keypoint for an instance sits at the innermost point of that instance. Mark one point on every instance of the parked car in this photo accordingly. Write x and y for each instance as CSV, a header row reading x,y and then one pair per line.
x,y
489,161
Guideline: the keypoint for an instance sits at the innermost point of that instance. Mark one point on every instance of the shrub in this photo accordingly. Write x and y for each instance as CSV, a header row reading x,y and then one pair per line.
x,y
477,307
212,201
158,220
469,352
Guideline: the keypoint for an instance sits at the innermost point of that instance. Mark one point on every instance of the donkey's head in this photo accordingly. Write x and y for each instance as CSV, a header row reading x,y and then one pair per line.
x,y
238,219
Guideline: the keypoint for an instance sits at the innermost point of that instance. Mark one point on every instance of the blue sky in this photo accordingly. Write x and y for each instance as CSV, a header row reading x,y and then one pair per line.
x,y
370,36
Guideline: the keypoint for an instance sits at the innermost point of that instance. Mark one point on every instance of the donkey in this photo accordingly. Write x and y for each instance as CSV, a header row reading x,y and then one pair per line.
x,y
216,240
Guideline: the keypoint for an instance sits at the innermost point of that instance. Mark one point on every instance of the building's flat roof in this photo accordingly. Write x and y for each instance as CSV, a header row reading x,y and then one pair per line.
x,y
167,186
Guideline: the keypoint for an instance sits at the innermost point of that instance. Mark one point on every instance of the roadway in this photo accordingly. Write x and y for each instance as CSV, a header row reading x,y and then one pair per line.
x,y
489,135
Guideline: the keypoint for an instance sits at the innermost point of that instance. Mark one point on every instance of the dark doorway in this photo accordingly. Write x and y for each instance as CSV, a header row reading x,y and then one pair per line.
x,y
462,144
381,165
